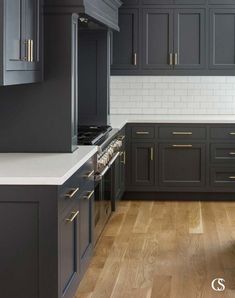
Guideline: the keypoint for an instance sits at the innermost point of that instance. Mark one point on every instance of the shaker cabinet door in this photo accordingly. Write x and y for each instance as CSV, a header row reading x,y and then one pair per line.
x,y
32,32
125,42
222,39
142,161
14,35
157,38
182,165
189,39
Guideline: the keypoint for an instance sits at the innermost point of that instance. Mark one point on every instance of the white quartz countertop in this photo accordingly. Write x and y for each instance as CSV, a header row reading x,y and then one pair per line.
x,y
118,121
42,168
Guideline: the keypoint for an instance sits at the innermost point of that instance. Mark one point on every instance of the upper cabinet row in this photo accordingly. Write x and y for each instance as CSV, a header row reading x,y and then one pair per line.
x,y
194,39
20,41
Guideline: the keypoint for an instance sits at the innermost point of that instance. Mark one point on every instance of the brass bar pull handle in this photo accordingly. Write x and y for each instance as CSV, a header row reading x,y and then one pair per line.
x,y
176,59
124,157
135,59
182,133
232,153
232,177
121,138
72,193
142,133
90,174
74,215
90,195
151,154
31,51
232,133
27,50
171,59
182,146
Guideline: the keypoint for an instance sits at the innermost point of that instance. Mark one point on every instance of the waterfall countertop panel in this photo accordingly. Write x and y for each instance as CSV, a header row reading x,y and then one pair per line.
x,y
42,168
119,121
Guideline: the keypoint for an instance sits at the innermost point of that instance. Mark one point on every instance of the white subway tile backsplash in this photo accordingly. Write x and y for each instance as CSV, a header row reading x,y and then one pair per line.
x,y
156,95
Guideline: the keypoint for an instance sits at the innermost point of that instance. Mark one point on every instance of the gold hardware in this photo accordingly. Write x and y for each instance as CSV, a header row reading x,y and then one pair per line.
x,y
232,153
90,174
182,146
151,154
31,50
142,133
90,195
232,177
27,50
72,193
171,59
176,59
184,133
121,138
135,59
232,133
124,157
74,215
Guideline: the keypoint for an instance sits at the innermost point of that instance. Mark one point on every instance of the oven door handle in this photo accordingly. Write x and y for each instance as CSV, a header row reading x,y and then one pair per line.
x,y
99,176
113,159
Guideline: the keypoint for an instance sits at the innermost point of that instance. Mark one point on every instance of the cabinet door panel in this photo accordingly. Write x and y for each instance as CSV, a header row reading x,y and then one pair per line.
x,y
189,38
14,47
143,164
69,250
125,42
182,165
156,2
32,31
157,38
222,38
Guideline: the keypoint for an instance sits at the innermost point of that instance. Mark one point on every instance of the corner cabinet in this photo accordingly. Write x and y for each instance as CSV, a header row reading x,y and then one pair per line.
x,y
21,41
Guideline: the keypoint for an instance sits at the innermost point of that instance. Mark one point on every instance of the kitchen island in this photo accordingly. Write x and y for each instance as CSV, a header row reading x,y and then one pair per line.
x,y
46,207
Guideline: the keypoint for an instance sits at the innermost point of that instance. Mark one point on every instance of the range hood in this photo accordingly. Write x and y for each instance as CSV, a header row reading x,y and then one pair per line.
x,y
104,12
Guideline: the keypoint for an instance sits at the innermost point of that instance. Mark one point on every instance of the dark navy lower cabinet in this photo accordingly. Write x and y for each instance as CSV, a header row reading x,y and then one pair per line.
x,y
186,158
46,237
182,164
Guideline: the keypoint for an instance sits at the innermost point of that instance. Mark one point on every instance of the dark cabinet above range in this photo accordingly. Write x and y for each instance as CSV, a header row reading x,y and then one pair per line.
x,y
175,37
21,42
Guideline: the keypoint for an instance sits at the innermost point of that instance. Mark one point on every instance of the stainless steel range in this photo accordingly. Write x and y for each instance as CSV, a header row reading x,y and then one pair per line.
x,y
109,146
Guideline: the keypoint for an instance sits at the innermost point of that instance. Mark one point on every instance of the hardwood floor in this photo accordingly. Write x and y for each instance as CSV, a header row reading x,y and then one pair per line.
x,y
164,249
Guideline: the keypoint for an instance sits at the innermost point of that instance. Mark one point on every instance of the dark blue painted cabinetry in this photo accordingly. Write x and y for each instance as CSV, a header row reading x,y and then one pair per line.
x,y
46,236
21,39
180,158
175,37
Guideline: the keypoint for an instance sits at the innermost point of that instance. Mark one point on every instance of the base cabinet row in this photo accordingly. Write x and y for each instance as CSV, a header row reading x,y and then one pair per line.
x,y
180,158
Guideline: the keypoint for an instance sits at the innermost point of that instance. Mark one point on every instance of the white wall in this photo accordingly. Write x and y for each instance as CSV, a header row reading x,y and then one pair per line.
x,y
172,95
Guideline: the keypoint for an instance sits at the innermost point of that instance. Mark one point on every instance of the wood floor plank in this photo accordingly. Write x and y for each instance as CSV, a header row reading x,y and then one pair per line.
x,y
164,249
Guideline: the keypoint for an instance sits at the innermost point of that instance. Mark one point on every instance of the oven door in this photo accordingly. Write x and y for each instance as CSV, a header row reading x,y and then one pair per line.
x,y
104,193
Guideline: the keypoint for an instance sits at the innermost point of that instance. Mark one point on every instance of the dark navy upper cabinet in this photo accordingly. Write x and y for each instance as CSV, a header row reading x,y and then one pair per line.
x,y
153,2
222,38
189,39
221,2
20,42
125,42
157,38
130,2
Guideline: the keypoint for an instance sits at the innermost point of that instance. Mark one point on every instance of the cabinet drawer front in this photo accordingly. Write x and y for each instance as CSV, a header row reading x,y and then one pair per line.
x,y
221,2
223,153
82,180
143,132
182,132
223,133
223,177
